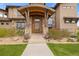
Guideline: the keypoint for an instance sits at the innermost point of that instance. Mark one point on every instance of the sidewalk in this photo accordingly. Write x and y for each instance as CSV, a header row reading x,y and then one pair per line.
x,y
37,47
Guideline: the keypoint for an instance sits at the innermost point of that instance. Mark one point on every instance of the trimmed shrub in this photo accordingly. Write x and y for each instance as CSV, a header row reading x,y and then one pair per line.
x,y
58,34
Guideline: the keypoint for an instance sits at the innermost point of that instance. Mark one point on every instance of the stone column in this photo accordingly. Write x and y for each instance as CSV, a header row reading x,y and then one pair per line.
x,y
27,29
29,23
45,28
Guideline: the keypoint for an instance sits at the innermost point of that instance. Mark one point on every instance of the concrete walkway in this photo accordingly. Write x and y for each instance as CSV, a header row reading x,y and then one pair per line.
x,y
37,47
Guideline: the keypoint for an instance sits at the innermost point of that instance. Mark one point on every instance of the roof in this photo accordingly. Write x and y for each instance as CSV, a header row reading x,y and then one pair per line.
x,y
37,8
4,11
12,6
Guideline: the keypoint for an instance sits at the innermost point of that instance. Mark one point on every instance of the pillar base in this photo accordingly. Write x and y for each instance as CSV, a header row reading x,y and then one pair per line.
x,y
26,35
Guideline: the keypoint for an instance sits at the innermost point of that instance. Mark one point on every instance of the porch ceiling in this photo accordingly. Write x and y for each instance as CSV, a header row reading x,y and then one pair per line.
x,y
36,9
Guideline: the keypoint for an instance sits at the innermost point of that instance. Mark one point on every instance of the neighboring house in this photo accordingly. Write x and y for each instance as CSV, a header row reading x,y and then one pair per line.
x,y
34,17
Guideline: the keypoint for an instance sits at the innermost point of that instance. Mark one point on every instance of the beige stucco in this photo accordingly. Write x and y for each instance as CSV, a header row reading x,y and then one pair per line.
x,y
62,12
5,25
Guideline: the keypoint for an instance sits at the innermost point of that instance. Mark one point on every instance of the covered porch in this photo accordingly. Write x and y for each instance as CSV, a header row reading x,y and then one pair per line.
x,y
36,18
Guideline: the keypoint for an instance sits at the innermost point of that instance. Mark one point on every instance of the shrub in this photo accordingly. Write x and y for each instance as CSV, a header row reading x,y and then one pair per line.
x,y
4,32
20,32
78,36
58,34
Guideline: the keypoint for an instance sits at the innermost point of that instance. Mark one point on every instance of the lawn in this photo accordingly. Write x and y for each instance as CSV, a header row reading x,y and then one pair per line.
x,y
12,50
64,49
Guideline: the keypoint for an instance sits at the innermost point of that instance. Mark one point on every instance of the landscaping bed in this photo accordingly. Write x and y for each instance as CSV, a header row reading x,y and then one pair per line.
x,y
61,36
4,32
64,49
12,50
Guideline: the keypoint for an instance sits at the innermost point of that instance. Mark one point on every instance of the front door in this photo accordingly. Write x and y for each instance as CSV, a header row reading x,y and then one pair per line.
x,y
37,25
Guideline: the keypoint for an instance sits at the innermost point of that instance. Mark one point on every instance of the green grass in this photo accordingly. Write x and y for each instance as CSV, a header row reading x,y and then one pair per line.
x,y
12,50
64,49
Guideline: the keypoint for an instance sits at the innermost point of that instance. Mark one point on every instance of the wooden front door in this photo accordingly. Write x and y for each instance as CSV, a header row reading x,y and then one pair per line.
x,y
36,25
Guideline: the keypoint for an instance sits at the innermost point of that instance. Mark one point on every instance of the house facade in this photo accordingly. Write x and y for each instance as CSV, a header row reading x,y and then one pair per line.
x,y
34,17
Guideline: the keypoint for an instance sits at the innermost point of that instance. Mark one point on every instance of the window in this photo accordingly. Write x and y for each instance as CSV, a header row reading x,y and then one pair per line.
x,y
2,23
67,7
7,23
64,6
20,25
73,21
67,20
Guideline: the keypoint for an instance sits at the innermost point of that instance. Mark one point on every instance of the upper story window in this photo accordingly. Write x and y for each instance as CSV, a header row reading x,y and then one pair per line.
x,y
73,22
7,23
67,20
67,6
64,6
70,21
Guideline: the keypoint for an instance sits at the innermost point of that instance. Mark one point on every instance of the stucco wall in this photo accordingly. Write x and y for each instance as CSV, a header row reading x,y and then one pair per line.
x,y
5,25
58,17
63,11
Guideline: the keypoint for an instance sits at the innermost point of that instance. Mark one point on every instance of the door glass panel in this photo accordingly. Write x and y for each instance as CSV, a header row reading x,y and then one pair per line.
x,y
37,25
